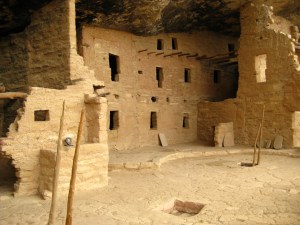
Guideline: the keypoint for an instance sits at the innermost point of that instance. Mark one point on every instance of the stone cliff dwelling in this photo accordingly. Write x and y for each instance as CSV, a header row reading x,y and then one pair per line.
x,y
158,80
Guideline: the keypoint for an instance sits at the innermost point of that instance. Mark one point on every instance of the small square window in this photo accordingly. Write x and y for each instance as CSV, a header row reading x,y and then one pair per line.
x,y
160,44
174,44
260,68
113,120
153,121
159,77
185,121
187,75
217,76
41,115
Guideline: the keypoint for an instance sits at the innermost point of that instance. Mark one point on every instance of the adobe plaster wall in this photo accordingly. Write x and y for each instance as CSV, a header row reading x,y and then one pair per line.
x,y
261,34
131,95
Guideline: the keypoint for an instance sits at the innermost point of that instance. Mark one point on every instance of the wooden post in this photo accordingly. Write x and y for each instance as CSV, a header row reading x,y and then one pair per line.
x,y
254,154
261,134
51,220
11,95
74,170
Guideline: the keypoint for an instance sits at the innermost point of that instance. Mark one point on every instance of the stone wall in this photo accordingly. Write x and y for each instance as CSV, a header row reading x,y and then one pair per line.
x,y
92,169
132,94
39,56
269,75
36,127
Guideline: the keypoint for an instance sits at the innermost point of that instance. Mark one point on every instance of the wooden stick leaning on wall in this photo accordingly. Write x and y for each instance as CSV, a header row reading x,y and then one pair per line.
x,y
255,144
74,170
261,134
51,220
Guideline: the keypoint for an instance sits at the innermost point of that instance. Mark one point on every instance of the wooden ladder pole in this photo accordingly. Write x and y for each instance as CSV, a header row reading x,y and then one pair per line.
x,y
261,134
74,171
254,153
51,220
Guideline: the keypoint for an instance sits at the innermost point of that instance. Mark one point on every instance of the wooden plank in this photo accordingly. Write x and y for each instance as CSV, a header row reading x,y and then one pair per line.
x,y
51,220
74,171
163,139
11,95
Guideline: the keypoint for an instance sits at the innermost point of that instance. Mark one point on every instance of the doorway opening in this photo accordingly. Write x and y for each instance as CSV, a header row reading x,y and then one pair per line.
x,y
114,62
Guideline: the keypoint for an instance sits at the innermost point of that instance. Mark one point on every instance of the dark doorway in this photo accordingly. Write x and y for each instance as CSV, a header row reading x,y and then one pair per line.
x,y
160,44
113,120
7,175
174,44
153,121
114,67
217,76
159,76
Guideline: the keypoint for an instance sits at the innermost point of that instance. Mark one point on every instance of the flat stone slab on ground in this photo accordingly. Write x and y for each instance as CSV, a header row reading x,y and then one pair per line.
x,y
278,142
163,139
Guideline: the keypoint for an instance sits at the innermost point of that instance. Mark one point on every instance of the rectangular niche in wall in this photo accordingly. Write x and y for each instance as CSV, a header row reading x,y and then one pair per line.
x,y
174,44
260,68
159,76
185,121
153,120
160,44
113,120
187,75
114,62
217,76
41,115
231,48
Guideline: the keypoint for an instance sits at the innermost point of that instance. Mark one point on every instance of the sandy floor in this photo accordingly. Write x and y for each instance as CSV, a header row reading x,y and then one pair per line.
x,y
265,194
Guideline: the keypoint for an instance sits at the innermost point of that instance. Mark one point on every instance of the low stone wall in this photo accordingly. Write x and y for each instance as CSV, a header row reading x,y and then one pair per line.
x,y
92,170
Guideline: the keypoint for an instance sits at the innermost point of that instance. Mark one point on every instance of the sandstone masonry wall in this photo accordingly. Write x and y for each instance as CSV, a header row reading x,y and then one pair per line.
x,y
137,82
279,88
29,135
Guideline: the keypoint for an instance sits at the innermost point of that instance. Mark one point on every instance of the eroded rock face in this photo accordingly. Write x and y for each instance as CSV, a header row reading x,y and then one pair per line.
x,y
148,17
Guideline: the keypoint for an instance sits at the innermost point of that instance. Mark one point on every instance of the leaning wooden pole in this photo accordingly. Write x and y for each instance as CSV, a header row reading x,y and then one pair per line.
x,y
261,134
51,220
74,170
255,144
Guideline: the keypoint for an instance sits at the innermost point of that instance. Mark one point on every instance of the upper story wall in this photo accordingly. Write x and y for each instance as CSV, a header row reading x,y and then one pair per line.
x,y
171,74
139,57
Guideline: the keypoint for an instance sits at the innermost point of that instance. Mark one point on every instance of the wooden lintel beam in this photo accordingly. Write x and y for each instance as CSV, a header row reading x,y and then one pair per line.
x,y
191,56
223,58
143,50
201,57
149,53
159,53
184,54
175,53
12,95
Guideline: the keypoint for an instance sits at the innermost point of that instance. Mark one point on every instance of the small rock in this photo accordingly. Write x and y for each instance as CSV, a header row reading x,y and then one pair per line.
x,y
47,195
294,191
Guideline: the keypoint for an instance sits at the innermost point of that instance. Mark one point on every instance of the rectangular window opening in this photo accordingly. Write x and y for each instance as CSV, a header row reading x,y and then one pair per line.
x,y
153,121
114,62
231,48
187,75
260,68
140,72
160,44
159,76
185,121
217,76
113,120
174,44
41,115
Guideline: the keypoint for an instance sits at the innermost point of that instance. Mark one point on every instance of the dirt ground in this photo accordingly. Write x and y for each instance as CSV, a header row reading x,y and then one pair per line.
x,y
266,194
